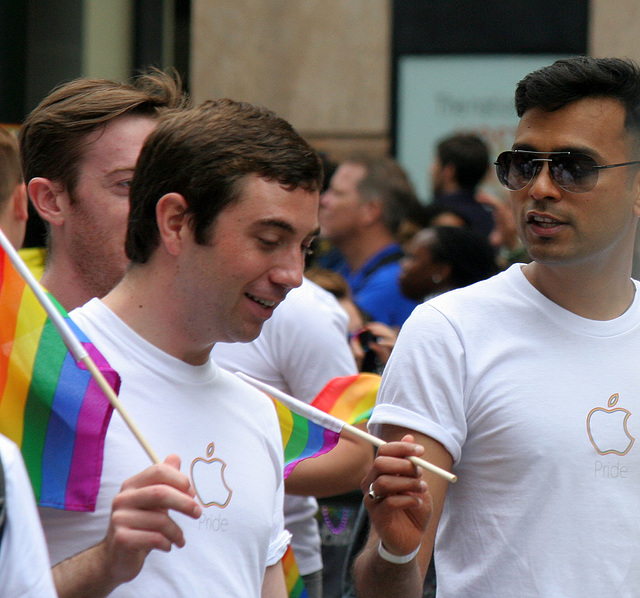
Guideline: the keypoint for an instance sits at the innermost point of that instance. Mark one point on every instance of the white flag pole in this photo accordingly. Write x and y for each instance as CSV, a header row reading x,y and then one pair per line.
x,y
337,425
72,343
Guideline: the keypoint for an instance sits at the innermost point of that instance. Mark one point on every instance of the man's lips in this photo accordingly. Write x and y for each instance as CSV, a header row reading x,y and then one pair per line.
x,y
544,222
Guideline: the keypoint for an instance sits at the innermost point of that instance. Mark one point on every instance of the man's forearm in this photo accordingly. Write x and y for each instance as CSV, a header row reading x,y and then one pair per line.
x,y
84,575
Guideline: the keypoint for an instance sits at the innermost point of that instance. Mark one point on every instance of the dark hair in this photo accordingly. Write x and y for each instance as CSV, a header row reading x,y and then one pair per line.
x,y
570,79
469,154
433,211
10,174
386,181
53,136
468,254
205,154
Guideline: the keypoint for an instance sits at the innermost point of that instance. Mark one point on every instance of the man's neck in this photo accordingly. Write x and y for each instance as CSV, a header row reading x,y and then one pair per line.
x,y
148,305
357,251
66,288
596,295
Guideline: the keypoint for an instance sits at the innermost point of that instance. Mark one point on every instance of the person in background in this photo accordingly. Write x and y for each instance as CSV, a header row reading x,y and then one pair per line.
x,y
360,215
504,236
461,163
443,258
25,569
437,259
79,148
13,193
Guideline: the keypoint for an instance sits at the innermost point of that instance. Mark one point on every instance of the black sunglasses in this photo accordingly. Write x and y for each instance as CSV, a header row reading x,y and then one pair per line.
x,y
573,172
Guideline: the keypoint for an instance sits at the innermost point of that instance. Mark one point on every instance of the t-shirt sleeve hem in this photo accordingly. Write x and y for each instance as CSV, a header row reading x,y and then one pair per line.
x,y
399,416
278,548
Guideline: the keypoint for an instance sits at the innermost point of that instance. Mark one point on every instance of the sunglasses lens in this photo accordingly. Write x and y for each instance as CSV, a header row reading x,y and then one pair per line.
x,y
515,169
575,173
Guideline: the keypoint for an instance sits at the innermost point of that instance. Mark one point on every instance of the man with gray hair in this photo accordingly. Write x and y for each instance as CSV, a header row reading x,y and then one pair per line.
x,y
360,215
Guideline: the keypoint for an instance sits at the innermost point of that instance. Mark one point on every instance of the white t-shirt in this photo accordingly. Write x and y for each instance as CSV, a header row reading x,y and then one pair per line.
x,y
25,571
226,434
538,408
301,347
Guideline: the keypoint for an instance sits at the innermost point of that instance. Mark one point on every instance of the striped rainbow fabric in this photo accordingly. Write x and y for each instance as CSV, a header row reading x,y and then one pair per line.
x,y
293,579
49,405
312,430
302,438
349,398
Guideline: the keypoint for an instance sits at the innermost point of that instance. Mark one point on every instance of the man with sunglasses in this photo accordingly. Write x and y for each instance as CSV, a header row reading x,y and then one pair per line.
x,y
526,385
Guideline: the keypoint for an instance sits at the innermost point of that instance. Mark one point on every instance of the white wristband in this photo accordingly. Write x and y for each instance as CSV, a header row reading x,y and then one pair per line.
x,y
398,560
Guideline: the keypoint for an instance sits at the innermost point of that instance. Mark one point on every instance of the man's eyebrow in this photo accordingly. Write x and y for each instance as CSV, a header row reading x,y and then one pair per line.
x,y
120,170
283,225
275,223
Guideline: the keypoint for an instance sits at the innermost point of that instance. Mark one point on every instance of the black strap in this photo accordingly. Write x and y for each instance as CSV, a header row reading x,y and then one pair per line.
x,y
395,256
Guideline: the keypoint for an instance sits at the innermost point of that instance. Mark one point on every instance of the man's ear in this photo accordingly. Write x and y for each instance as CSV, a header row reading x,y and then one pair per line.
x,y
443,271
449,174
173,222
371,211
49,199
635,189
20,203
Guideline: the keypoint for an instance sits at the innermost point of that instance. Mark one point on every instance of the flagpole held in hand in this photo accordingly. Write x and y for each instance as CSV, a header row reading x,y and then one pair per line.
x,y
74,346
337,425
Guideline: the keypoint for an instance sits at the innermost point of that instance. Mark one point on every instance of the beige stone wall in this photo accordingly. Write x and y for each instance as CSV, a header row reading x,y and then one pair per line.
x,y
613,28
324,65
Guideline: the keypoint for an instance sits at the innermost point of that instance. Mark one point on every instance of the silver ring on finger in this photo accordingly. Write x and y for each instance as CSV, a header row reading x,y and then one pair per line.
x,y
372,495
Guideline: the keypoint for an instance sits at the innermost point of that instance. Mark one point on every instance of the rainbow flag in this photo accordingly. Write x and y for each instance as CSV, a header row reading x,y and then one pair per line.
x,y
313,430
302,438
349,398
50,406
293,579
309,431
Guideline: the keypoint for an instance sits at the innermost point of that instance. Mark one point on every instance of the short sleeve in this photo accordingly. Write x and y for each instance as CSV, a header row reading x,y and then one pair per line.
x,y
423,383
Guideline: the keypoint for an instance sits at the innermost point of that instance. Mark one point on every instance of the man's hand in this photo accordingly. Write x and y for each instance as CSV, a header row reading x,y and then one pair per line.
x,y
139,523
400,509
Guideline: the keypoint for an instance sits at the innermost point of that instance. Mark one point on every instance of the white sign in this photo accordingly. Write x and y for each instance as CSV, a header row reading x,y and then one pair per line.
x,y
441,95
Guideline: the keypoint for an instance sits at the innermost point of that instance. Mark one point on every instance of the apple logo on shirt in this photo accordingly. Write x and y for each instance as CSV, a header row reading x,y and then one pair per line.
x,y
607,429
207,477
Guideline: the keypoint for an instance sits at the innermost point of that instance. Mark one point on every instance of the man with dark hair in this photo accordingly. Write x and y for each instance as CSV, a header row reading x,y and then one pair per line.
x,y
461,163
360,215
13,194
526,384
224,205
79,148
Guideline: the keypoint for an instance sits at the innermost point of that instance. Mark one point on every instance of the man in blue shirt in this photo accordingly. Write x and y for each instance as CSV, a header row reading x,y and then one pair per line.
x,y
360,214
